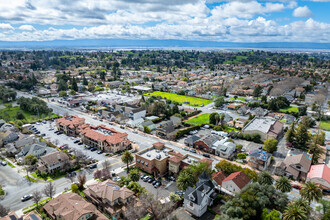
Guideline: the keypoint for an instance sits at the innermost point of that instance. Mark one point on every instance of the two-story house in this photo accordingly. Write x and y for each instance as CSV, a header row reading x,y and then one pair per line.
x,y
71,206
259,159
235,182
196,200
224,149
109,198
54,161
70,125
37,150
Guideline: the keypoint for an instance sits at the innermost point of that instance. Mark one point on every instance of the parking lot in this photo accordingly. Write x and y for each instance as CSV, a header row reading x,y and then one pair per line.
x,y
59,140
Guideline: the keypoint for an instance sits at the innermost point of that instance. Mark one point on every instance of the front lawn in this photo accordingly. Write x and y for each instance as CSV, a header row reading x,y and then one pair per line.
x,y
325,125
289,109
199,119
239,99
182,99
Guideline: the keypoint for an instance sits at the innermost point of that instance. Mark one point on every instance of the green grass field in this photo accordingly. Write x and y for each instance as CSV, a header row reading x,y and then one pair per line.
x,y
193,101
289,109
200,119
9,114
325,125
239,99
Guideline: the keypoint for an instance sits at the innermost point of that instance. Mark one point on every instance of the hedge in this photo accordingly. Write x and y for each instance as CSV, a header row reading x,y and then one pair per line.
x,y
184,131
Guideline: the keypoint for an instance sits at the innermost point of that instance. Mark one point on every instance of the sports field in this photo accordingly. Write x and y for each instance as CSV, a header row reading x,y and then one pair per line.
x,y
193,101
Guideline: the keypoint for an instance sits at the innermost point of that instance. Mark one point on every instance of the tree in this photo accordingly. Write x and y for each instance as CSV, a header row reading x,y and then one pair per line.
x,y
257,91
36,196
157,209
230,168
219,101
295,212
136,188
265,178
146,129
3,211
174,197
30,159
81,181
49,190
62,86
241,156
290,134
271,145
283,184
74,85
74,188
85,82
127,158
185,179
272,215
72,92
325,206
302,136
134,175
62,94
302,110
213,118
106,165
310,192
20,115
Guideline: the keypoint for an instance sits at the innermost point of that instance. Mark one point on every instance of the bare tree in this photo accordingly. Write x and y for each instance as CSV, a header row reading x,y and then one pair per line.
x,y
36,196
3,211
81,180
157,209
106,165
49,190
137,212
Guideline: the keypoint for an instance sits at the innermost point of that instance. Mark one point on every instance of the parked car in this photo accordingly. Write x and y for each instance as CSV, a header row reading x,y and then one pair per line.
x,y
51,129
180,193
186,148
3,163
93,149
116,178
296,186
154,182
100,152
158,184
151,180
171,178
135,132
93,166
145,179
142,176
80,143
26,197
192,150
110,123
206,155
76,141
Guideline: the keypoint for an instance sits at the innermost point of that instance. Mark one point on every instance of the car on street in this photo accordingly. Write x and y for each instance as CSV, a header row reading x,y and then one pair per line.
x,y
206,155
76,141
296,186
135,132
93,149
116,178
51,129
80,143
192,150
93,166
3,163
26,197
100,152
186,148
110,123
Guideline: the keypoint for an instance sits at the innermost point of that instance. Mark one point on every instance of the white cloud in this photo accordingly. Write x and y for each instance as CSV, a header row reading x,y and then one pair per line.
x,y
6,27
27,28
302,12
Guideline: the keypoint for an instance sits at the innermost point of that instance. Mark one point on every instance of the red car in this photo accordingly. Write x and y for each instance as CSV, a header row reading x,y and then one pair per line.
x,y
296,186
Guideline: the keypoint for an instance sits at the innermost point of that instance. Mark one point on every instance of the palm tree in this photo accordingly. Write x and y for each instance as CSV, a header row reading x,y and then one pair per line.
x,y
134,175
184,180
311,192
294,212
283,184
265,178
127,158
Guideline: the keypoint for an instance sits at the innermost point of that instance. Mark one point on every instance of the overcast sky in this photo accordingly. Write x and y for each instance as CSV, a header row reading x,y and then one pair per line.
x,y
206,20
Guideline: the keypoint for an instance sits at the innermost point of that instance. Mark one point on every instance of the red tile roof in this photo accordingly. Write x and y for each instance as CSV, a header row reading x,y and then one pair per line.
x,y
71,121
175,159
219,177
158,144
115,138
239,178
321,171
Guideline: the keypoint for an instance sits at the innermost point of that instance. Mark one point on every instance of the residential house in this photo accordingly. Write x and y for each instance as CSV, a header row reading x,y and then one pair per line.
x,y
109,198
70,125
176,121
106,139
235,182
147,123
205,143
320,175
296,166
166,130
266,127
11,150
28,216
224,149
52,162
191,140
9,137
196,200
259,159
25,141
37,150
5,126
72,206
219,177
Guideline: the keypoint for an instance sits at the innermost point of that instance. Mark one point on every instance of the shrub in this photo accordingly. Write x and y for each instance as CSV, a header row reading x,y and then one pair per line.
x,y
74,188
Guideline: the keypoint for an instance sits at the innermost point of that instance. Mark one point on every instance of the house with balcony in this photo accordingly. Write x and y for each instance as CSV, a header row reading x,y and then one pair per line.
x,y
109,198
70,125
106,139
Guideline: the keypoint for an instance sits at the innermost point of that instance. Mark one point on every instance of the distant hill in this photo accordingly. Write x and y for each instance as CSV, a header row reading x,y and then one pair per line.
x,y
115,43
